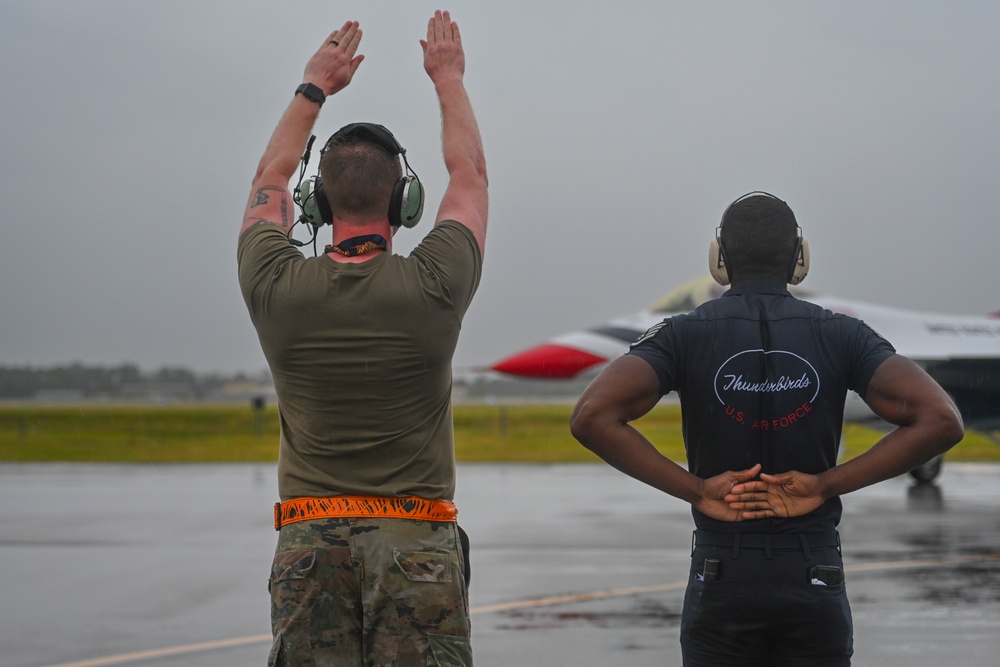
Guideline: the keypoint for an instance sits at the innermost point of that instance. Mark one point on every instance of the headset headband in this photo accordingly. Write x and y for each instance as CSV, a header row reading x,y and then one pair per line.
x,y
377,134
755,193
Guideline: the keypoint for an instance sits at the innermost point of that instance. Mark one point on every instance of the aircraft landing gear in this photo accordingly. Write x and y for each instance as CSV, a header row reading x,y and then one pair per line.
x,y
926,473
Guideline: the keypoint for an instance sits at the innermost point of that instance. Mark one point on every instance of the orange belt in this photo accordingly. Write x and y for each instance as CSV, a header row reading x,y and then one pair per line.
x,y
357,507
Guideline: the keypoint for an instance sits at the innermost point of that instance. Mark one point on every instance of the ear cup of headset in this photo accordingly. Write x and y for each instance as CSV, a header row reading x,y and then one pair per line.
x,y
407,202
312,202
720,272
800,263
315,206
717,263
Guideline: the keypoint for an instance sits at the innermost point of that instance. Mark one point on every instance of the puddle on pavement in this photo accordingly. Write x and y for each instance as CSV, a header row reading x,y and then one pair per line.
x,y
642,613
973,584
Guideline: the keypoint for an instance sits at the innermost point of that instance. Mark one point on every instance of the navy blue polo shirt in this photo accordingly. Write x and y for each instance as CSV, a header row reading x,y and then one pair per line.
x,y
762,378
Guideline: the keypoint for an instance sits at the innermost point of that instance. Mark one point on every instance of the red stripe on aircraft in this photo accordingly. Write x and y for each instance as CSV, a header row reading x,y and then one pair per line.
x,y
548,361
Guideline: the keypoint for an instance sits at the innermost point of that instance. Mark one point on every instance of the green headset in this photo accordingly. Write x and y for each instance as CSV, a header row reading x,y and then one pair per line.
x,y
406,204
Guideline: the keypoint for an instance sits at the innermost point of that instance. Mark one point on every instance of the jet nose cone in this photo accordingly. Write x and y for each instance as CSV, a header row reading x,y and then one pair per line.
x,y
548,361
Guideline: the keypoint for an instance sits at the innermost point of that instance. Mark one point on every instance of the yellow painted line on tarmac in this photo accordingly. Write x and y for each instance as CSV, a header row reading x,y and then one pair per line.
x,y
923,562
576,597
529,603
139,656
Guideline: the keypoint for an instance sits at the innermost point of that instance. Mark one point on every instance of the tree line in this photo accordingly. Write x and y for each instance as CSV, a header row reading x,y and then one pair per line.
x,y
120,381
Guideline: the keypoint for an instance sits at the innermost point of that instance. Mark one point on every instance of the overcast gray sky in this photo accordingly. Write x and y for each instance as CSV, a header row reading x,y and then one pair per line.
x,y
615,136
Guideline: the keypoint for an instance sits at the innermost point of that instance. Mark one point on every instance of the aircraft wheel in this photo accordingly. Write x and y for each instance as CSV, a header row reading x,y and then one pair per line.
x,y
926,473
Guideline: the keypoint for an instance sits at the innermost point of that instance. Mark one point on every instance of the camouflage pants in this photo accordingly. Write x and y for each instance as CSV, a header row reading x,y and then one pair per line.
x,y
369,593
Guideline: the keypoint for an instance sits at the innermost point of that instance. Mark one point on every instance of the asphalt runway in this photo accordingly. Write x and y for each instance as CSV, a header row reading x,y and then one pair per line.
x,y
165,565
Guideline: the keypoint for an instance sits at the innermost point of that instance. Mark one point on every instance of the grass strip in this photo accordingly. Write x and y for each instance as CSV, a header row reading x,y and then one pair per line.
x,y
231,433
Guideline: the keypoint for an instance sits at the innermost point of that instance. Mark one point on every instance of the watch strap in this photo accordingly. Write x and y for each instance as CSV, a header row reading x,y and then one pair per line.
x,y
312,92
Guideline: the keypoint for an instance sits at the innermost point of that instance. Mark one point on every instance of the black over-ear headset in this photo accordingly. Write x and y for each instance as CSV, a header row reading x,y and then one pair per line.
x,y
406,204
797,269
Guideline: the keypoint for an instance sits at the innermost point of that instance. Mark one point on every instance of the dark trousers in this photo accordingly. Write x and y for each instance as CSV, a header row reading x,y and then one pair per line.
x,y
766,601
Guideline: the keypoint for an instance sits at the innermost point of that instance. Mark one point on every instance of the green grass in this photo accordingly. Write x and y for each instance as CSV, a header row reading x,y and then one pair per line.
x,y
521,433
137,434
540,433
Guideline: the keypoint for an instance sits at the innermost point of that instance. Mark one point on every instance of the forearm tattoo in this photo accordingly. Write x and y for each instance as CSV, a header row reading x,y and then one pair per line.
x,y
260,198
263,196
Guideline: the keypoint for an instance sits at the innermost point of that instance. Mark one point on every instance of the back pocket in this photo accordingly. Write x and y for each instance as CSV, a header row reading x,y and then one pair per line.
x,y
292,565
429,566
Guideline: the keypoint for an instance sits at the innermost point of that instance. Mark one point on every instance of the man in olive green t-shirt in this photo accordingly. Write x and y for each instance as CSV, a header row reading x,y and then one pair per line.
x,y
369,567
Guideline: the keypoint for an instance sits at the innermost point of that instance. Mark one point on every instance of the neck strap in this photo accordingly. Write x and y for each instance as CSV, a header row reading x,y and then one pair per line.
x,y
359,245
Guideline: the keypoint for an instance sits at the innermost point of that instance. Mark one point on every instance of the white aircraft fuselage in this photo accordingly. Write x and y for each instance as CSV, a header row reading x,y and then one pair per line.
x,y
961,352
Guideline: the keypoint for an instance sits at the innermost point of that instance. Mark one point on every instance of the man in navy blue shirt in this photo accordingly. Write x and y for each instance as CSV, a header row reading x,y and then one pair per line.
x,y
762,379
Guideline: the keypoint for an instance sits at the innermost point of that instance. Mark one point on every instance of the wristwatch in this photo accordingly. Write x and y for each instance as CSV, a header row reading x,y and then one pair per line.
x,y
312,92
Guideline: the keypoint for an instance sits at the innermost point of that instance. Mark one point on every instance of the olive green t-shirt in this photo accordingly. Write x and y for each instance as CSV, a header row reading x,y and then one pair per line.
x,y
361,360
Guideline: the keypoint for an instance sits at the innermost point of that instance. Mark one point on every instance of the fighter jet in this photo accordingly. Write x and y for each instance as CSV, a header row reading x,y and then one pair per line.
x,y
961,352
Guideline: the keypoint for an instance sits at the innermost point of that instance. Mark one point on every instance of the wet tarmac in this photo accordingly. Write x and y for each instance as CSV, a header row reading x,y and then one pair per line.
x,y
572,565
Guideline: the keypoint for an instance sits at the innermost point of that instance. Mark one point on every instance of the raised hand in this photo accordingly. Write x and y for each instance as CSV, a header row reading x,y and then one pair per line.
x,y
444,57
333,65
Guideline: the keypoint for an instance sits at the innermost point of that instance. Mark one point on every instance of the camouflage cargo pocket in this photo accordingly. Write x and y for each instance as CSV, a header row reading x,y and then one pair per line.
x,y
291,590
315,614
292,564
449,651
429,566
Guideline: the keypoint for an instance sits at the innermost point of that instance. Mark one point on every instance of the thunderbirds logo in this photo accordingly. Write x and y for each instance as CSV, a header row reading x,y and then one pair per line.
x,y
767,391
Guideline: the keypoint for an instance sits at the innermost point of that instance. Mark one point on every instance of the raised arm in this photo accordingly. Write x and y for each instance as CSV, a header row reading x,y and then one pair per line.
x,y
329,70
465,199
